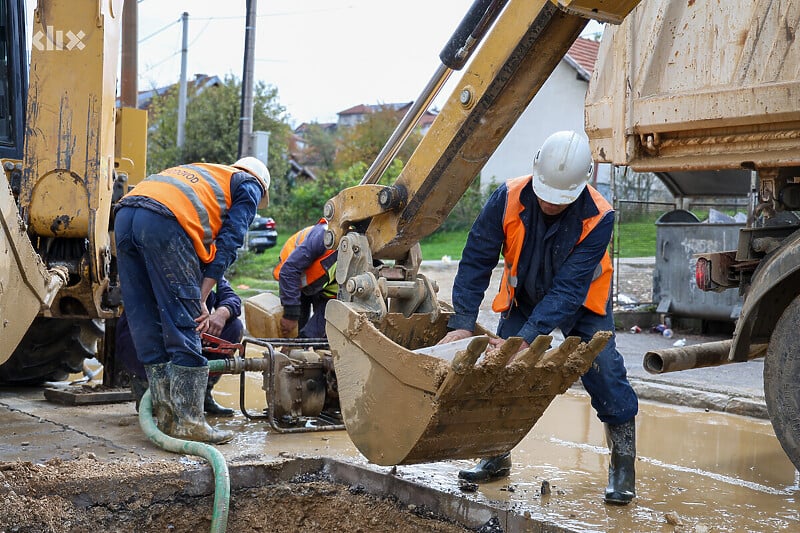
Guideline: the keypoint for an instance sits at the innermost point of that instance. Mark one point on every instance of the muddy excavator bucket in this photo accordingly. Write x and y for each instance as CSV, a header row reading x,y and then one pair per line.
x,y
406,400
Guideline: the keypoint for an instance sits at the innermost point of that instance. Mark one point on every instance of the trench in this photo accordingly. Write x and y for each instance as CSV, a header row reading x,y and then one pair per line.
x,y
296,495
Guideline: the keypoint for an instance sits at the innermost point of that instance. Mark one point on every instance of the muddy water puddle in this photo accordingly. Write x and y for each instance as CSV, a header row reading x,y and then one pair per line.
x,y
695,470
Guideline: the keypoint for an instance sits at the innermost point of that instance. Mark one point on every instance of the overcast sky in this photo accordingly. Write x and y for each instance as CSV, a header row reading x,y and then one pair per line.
x,y
323,56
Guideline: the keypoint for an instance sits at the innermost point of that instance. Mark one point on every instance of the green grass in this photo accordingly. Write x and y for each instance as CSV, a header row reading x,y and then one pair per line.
x,y
636,239
450,243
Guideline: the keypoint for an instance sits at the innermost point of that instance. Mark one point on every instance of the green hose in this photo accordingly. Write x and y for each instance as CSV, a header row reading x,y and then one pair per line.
x,y
222,479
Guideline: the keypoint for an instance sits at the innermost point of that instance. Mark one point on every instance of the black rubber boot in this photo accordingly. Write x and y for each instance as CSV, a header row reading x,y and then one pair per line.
x,y
621,470
138,388
159,378
210,405
188,388
488,468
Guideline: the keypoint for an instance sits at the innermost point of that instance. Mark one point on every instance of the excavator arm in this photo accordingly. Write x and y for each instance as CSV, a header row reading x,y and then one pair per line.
x,y
405,399
526,42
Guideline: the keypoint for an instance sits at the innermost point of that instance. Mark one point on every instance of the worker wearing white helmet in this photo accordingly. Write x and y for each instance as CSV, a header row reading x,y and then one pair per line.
x,y
553,230
177,232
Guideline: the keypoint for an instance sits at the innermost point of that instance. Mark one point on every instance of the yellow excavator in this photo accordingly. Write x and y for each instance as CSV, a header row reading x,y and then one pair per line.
x,y
67,154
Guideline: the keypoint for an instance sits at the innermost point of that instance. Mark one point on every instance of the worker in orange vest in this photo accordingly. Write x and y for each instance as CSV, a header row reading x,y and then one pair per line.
x,y
306,274
177,232
553,230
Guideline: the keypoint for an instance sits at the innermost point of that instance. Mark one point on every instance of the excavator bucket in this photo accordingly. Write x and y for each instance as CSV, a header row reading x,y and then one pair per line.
x,y
27,286
406,400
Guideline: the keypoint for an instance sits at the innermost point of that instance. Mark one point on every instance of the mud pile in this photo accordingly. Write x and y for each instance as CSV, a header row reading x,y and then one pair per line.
x,y
87,495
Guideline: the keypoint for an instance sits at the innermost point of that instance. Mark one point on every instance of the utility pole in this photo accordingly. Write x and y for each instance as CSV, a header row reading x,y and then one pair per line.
x,y
182,87
246,115
129,94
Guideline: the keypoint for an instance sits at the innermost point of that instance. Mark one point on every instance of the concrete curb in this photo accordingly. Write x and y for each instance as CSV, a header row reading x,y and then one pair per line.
x,y
696,398
700,399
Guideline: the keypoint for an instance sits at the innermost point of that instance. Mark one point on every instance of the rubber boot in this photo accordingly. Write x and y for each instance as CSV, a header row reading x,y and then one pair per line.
x,y
159,377
138,388
210,405
188,389
488,468
621,470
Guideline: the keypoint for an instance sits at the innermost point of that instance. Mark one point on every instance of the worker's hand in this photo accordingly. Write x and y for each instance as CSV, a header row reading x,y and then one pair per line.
x,y
217,320
288,327
202,320
455,335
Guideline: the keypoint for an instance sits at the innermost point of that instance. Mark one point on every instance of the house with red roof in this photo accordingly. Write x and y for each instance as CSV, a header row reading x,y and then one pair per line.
x,y
557,106
356,114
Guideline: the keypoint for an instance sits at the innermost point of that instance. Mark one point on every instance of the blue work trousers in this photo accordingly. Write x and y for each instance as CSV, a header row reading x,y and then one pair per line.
x,y
606,381
160,278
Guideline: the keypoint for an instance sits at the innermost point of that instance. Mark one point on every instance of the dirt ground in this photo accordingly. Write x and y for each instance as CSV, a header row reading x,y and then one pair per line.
x,y
51,498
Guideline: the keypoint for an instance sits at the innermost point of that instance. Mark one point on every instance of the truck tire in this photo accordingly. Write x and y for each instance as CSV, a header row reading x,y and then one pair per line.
x,y
781,373
51,350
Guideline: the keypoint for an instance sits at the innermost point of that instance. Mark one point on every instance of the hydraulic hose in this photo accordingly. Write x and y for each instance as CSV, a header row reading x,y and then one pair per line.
x,y
222,479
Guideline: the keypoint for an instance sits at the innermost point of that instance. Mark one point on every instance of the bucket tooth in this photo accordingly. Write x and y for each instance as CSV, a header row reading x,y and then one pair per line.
x,y
555,357
466,359
499,358
462,366
530,357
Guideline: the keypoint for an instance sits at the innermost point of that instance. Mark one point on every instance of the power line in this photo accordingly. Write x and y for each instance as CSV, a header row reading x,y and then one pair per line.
x,y
267,15
159,31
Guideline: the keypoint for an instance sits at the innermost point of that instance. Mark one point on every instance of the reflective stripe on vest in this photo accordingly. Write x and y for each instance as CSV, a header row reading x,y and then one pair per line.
x,y
199,196
313,272
514,230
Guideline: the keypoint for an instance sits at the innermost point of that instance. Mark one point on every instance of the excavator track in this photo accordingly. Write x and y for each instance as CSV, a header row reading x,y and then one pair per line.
x,y
456,401
52,349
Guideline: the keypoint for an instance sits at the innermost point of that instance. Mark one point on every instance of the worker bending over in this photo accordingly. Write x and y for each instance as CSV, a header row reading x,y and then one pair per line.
x,y
306,274
553,230
177,232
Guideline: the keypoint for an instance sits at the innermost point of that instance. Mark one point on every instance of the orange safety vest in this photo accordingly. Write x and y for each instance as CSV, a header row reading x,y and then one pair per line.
x,y
313,272
599,289
199,195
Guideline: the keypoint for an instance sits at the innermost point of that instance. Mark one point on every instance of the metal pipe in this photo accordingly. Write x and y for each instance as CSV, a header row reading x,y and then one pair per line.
x,y
695,356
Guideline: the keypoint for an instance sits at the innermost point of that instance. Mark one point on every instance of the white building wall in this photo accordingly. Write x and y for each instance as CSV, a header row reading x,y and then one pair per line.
x,y
557,106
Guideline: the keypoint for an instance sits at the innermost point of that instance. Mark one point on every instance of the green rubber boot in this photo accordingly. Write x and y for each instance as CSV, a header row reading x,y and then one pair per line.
x,y
622,469
488,468
158,377
188,390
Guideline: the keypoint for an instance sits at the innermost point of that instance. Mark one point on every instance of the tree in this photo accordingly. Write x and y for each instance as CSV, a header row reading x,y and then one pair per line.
x,y
320,150
363,142
212,129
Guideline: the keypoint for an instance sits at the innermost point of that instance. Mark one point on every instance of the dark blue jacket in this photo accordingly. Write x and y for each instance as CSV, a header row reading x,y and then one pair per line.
x,y
562,270
225,296
302,257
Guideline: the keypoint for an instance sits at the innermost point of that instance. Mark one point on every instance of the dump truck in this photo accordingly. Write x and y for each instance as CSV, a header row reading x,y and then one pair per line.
x,y
67,155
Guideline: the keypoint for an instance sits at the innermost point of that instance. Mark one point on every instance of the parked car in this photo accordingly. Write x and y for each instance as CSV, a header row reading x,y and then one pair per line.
x,y
261,234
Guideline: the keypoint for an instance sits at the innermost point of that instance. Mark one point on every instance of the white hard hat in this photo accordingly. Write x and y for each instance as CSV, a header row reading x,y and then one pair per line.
x,y
254,166
562,167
